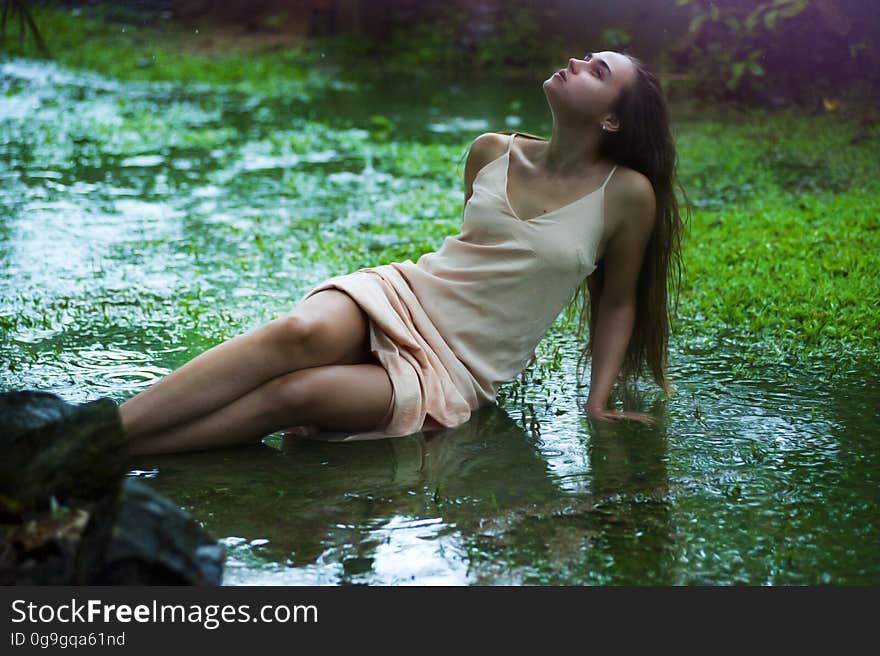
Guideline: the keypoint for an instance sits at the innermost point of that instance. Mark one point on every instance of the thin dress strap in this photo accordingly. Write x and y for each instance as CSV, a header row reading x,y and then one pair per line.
x,y
510,142
613,169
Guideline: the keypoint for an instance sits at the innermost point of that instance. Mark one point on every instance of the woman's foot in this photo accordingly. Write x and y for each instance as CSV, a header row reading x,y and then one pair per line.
x,y
297,432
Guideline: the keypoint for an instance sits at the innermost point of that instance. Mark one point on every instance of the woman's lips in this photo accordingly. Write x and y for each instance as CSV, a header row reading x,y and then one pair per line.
x,y
561,74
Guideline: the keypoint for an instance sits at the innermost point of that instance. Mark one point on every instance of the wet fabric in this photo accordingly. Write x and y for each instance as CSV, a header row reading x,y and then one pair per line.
x,y
458,323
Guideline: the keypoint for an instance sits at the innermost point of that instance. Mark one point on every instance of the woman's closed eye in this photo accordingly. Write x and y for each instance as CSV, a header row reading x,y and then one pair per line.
x,y
597,73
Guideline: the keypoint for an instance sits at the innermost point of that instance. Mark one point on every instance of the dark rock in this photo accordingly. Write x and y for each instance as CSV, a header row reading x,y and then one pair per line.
x,y
141,538
73,516
42,550
52,448
136,537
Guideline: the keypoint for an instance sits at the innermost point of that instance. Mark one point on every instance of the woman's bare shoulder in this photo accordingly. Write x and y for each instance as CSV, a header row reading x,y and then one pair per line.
x,y
488,146
629,186
484,149
630,197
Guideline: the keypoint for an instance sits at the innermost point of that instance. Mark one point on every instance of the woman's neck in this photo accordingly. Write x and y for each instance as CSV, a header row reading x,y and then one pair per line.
x,y
569,152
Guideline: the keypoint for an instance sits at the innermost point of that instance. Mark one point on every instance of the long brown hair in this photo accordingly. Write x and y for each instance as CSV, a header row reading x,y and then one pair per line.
x,y
644,142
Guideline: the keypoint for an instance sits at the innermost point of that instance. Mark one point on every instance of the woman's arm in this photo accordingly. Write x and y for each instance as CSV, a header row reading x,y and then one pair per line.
x,y
613,329
483,150
631,207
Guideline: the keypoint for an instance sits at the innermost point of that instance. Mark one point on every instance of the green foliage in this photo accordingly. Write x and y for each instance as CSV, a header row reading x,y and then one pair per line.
x,y
747,51
439,43
127,50
26,24
782,51
428,44
615,38
726,40
518,40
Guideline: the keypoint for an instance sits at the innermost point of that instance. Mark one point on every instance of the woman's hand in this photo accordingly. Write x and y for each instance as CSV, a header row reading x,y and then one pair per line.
x,y
614,415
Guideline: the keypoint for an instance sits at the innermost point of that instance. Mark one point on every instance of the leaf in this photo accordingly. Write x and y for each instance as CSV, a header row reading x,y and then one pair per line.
x,y
695,23
752,18
738,68
790,8
855,48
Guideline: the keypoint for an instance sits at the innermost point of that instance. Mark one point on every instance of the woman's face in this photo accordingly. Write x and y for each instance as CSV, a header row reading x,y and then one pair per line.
x,y
587,87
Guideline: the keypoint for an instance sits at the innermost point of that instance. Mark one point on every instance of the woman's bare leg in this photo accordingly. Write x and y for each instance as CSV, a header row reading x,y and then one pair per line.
x,y
336,397
326,328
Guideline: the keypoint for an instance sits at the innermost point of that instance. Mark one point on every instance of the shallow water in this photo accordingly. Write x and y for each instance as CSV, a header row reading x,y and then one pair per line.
x,y
143,223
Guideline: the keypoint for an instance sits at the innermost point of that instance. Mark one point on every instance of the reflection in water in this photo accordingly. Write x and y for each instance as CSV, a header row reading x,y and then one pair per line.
x,y
385,511
616,529
631,488
474,504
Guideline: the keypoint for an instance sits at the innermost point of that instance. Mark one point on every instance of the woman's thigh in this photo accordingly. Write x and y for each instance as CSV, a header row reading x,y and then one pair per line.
x,y
352,397
338,327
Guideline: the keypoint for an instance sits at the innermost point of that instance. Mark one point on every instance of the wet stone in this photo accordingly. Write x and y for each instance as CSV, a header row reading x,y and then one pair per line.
x,y
69,515
52,448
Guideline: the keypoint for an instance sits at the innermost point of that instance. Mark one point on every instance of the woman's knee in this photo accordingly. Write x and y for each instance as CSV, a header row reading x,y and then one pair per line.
x,y
327,328
292,331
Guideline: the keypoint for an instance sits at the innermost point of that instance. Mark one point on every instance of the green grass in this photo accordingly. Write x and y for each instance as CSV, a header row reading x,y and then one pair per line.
x,y
784,241
110,41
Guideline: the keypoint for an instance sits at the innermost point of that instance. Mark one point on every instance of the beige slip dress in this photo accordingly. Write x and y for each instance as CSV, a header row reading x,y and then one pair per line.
x,y
458,323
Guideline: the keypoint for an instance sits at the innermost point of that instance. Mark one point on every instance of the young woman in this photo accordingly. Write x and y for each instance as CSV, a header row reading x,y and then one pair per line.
x,y
402,347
